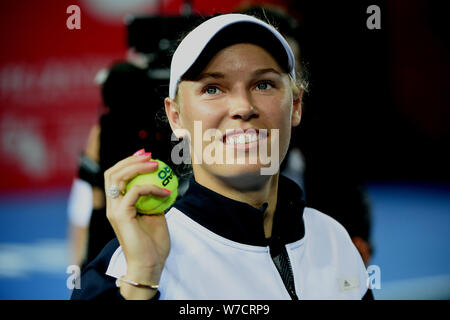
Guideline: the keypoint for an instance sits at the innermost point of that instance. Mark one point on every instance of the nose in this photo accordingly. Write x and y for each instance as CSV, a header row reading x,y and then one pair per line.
x,y
241,106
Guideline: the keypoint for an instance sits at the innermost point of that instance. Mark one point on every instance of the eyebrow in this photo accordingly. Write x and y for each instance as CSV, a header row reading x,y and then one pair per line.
x,y
219,75
215,75
267,70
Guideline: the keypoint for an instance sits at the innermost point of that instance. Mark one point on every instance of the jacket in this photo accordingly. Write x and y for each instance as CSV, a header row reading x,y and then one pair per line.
x,y
219,251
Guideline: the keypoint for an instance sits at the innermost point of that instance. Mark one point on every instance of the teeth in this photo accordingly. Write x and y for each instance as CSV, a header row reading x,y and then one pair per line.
x,y
242,139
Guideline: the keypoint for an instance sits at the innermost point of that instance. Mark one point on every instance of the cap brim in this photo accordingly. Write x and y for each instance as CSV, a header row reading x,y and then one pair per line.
x,y
241,32
200,46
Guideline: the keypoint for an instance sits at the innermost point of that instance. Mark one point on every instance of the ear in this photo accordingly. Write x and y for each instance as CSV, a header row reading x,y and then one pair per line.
x,y
297,109
173,114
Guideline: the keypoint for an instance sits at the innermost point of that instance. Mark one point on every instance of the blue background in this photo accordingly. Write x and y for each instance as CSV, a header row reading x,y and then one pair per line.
x,y
410,233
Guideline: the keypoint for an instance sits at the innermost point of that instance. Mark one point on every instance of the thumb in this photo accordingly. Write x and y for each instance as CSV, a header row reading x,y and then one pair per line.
x,y
132,195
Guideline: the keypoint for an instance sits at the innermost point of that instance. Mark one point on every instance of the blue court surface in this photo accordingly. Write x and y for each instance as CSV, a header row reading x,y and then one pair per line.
x,y
411,234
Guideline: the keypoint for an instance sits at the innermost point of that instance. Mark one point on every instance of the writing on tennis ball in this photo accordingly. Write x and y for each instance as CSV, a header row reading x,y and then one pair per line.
x,y
163,177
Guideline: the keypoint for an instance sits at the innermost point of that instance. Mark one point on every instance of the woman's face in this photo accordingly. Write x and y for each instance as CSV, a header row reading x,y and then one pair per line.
x,y
241,92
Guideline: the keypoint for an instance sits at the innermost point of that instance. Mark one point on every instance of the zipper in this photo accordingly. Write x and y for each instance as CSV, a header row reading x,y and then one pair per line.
x,y
291,291
281,261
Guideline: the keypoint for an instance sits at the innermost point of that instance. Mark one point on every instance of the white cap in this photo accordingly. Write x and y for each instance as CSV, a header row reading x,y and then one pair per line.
x,y
196,41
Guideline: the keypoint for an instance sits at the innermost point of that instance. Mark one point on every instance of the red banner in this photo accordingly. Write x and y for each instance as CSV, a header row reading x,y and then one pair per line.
x,y
48,97
50,54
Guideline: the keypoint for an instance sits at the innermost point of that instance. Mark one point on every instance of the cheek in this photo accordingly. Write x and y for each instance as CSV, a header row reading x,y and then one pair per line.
x,y
198,116
278,112
207,116
279,115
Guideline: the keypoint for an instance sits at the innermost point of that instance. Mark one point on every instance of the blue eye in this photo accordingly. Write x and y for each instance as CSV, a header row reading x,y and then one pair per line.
x,y
264,85
211,90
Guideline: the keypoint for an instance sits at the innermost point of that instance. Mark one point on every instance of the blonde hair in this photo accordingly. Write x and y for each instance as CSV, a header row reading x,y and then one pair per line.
x,y
297,88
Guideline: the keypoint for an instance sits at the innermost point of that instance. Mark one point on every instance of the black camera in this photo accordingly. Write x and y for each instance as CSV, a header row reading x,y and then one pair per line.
x,y
157,37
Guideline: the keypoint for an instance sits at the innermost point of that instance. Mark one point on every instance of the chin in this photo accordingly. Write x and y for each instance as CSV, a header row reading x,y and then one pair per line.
x,y
243,177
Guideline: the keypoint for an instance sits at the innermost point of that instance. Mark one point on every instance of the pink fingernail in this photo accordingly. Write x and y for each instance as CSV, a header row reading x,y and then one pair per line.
x,y
146,155
153,162
167,190
139,152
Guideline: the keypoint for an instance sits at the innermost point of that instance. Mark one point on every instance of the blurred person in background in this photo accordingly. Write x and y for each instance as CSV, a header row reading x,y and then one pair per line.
x,y
327,186
85,196
130,122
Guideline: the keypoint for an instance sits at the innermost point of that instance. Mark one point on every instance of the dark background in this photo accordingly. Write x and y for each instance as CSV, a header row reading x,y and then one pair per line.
x,y
379,100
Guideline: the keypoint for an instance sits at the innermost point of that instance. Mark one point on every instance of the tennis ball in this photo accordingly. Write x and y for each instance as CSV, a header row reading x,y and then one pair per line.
x,y
163,177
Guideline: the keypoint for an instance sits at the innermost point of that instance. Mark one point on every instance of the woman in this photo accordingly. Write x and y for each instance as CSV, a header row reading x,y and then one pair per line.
x,y
241,230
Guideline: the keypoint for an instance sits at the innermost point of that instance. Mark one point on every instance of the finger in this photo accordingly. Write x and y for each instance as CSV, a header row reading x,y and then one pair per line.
x,y
125,174
128,161
127,209
138,158
121,165
132,196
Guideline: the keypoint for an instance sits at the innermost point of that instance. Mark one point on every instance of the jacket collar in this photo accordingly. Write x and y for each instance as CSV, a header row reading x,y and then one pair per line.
x,y
240,222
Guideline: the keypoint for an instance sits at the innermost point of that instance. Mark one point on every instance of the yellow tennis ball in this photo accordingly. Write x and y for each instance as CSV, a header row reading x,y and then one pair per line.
x,y
163,177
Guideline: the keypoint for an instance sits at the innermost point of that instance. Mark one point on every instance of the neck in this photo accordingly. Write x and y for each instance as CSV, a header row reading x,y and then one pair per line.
x,y
266,191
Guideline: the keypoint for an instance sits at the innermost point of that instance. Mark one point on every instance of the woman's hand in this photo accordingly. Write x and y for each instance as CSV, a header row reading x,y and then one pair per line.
x,y
144,238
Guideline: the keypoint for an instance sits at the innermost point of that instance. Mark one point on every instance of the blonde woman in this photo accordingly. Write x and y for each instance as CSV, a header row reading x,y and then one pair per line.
x,y
241,231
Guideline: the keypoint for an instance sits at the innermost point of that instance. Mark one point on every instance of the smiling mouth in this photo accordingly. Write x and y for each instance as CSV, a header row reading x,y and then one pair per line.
x,y
244,138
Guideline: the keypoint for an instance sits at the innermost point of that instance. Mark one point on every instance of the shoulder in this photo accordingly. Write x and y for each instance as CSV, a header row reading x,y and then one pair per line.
x,y
324,231
327,240
316,220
